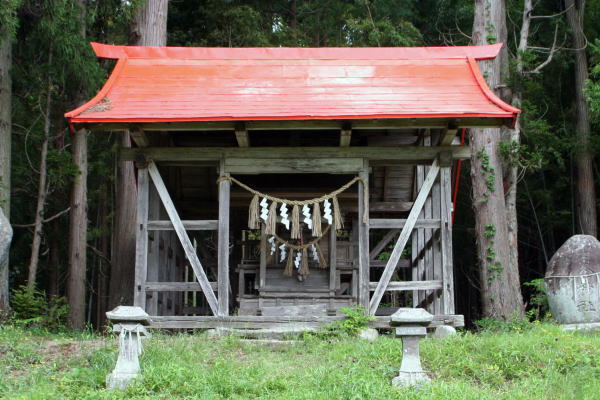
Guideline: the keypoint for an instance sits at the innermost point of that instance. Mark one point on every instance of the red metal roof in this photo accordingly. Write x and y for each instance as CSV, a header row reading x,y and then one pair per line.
x,y
162,84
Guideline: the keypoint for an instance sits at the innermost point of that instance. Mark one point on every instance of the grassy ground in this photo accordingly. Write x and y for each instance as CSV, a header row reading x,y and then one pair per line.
x,y
540,362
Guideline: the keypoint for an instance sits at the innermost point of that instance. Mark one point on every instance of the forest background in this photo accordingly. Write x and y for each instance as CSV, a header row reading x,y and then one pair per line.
x,y
47,68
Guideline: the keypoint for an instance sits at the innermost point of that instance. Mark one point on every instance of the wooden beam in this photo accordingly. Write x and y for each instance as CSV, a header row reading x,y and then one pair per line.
x,y
380,223
399,123
410,285
448,135
257,322
382,243
403,238
345,137
139,136
176,286
141,239
205,225
223,244
241,135
261,165
405,154
183,236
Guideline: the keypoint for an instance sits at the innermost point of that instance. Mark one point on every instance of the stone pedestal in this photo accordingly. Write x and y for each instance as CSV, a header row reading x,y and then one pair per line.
x,y
129,324
411,326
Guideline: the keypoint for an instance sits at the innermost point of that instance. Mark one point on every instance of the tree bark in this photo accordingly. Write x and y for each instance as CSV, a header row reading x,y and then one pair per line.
x,y
78,233
78,217
500,286
586,193
5,158
514,136
149,28
42,194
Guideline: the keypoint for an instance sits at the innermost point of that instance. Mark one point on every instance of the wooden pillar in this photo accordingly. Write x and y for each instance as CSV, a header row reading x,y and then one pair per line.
x,y
418,242
332,267
141,239
363,240
223,245
262,273
446,236
153,251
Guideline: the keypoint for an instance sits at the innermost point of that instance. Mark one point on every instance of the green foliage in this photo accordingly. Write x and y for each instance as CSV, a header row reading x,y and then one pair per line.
x,y
538,300
32,309
357,319
8,20
495,325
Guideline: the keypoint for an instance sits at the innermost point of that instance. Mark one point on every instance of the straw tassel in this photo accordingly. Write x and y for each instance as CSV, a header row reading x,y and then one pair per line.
x,y
289,264
304,263
316,217
295,234
337,217
271,219
253,213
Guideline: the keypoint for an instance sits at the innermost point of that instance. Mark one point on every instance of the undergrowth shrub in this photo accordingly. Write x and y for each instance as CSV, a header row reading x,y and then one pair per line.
x,y
32,309
357,319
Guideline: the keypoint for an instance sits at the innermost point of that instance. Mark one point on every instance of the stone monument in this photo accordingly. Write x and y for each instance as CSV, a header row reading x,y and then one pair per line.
x,y
573,281
411,325
129,323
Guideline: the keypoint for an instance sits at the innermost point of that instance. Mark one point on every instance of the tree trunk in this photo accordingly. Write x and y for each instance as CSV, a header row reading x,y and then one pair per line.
x,y
148,29
586,193
500,287
5,159
5,238
514,136
42,193
78,217
78,232
55,261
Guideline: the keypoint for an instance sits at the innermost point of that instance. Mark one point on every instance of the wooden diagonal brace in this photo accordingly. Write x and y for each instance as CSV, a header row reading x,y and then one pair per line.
x,y
183,236
404,237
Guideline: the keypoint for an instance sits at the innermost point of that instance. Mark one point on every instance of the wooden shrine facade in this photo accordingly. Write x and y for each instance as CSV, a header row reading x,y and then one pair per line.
x,y
295,123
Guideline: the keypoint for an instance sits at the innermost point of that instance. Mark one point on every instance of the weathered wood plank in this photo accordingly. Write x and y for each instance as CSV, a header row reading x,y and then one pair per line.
x,y
332,264
403,238
402,263
205,225
345,137
379,223
241,135
448,135
436,249
399,123
382,243
446,239
292,165
363,239
183,236
414,154
265,322
141,239
153,250
223,244
139,136
176,286
410,285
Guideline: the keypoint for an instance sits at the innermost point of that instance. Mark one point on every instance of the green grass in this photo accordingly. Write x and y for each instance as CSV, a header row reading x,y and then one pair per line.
x,y
540,362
